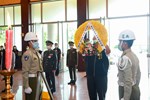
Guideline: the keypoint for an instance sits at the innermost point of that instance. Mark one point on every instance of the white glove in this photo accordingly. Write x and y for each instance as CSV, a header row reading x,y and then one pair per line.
x,y
28,90
122,98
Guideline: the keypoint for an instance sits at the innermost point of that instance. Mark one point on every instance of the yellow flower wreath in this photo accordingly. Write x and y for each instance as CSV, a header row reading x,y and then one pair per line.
x,y
99,28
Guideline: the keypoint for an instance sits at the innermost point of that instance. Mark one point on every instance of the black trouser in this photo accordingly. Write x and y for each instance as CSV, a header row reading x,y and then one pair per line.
x,y
57,69
72,73
51,80
97,85
11,81
135,94
33,86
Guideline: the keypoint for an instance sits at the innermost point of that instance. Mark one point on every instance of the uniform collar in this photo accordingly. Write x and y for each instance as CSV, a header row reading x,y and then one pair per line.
x,y
126,51
34,51
49,49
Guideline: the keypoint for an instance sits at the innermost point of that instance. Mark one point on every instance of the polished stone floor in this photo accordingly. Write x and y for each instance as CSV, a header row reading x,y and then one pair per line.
x,y
79,91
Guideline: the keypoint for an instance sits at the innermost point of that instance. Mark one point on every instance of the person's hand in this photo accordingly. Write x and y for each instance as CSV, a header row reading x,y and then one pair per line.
x,y
122,98
28,90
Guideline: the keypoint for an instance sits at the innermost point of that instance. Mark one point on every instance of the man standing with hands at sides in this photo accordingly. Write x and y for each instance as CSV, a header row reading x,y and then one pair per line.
x,y
49,64
31,65
72,62
58,53
128,68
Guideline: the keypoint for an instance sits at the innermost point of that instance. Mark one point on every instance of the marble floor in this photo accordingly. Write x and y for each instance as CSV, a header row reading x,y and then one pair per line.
x,y
79,91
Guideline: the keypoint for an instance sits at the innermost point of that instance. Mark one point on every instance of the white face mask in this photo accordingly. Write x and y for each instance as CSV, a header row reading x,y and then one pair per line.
x,y
120,46
48,47
56,46
71,46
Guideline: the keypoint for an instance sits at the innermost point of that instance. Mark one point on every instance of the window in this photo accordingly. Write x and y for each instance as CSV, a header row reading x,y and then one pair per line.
x,y
127,7
54,11
36,13
97,8
17,15
71,9
1,16
139,27
9,14
17,38
2,35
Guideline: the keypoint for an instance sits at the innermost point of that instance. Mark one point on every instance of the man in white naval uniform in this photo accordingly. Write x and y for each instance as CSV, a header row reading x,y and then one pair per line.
x,y
128,68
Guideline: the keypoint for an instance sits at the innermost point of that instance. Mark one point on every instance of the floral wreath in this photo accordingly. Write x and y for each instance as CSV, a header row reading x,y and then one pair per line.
x,y
99,29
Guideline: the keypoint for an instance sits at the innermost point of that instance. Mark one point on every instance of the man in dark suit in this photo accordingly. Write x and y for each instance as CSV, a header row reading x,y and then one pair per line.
x,y
97,65
49,64
58,53
72,62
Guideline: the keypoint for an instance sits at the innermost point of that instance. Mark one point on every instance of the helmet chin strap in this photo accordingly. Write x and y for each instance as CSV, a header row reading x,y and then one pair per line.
x,y
31,43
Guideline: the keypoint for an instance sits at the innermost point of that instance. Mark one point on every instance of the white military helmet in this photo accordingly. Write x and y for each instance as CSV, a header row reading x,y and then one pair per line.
x,y
30,36
127,35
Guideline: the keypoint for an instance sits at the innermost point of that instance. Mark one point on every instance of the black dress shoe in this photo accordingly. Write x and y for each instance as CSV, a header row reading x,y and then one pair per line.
x,y
69,83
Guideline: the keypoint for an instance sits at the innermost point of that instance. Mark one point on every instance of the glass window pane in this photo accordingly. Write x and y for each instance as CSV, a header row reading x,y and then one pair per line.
x,y
17,15
1,16
139,47
127,7
71,9
52,32
17,38
38,31
9,14
2,35
36,13
97,8
54,11
45,36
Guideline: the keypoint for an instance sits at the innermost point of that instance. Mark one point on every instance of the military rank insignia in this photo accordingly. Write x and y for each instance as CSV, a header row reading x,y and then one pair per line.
x,y
26,58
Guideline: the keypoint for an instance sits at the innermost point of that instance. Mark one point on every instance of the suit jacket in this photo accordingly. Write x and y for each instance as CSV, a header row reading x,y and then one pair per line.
x,y
58,53
49,60
97,65
71,57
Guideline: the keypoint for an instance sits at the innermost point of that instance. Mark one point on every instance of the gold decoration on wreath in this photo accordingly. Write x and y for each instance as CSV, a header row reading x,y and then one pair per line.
x,y
99,28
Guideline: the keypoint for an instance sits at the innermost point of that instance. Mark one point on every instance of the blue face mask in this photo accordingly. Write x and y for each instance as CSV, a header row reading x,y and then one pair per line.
x,y
35,45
